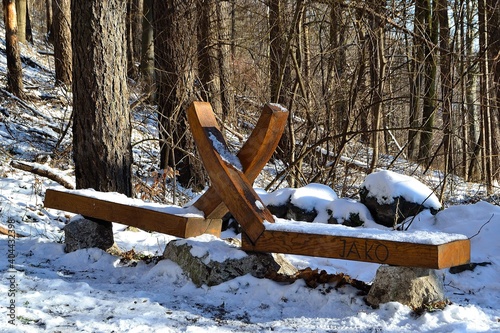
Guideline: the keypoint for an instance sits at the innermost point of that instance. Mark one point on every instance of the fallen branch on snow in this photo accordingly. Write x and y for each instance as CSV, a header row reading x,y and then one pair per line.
x,y
5,231
43,171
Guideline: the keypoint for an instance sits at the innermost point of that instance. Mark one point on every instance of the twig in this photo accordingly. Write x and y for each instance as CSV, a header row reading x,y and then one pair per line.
x,y
23,103
43,171
477,233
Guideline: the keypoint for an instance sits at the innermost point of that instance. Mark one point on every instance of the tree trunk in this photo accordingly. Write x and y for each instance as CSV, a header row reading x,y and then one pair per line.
x,y
416,79
147,48
137,27
14,67
446,84
494,42
474,151
101,128
29,30
62,41
223,9
208,66
21,20
377,77
336,98
48,20
280,82
175,50
429,100
130,25
485,92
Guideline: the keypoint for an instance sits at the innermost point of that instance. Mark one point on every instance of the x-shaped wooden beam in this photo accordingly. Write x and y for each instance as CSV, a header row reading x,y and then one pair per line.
x,y
232,184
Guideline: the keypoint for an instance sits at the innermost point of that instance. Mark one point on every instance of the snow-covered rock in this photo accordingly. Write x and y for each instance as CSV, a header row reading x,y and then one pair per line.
x,y
209,260
392,197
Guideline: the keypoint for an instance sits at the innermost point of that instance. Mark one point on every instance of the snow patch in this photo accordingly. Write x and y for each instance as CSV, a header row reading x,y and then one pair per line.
x,y
386,185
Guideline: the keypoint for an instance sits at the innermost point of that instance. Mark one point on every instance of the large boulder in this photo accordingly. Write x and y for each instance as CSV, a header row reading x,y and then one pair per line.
x,y
83,233
209,260
392,197
414,287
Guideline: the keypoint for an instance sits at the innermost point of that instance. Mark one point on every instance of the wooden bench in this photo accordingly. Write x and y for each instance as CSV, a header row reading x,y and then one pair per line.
x,y
254,155
231,190
262,235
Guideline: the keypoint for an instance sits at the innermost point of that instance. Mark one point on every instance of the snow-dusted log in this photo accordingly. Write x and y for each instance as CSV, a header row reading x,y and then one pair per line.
x,y
44,171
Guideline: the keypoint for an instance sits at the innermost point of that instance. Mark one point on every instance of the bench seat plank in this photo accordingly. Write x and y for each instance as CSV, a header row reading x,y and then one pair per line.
x,y
410,249
143,218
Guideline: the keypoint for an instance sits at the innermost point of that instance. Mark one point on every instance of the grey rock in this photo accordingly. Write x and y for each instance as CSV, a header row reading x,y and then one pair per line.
x,y
201,270
391,214
354,220
291,212
83,233
414,287
299,214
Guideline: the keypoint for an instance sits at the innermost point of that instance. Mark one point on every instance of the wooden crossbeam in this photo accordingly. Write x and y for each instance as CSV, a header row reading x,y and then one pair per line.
x,y
406,252
143,218
253,156
230,183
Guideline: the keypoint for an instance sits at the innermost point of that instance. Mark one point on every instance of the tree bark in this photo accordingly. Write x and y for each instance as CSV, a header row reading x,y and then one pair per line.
x,y
494,42
446,84
62,41
130,26
175,51
416,78
208,66
14,67
147,47
21,20
223,9
485,93
429,98
101,128
29,30
377,77
473,125
48,20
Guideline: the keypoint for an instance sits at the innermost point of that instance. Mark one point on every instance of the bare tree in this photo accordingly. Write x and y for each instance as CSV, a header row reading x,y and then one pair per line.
x,y
21,10
446,67
208,67
485,93
223,11
132,13
377,76
14,68
62,41
48,20
429,92
494,50
147,47
175,58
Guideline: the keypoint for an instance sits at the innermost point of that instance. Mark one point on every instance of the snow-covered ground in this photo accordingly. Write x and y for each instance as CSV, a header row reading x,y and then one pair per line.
x,y
93,291
42,288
